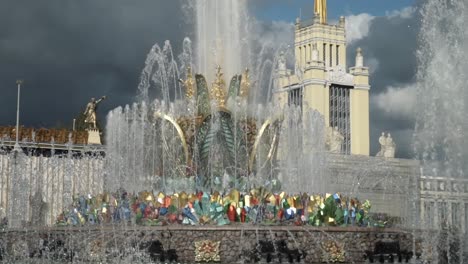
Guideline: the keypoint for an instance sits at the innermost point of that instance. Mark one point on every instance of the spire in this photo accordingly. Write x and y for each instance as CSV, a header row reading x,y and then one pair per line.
x,y
320,8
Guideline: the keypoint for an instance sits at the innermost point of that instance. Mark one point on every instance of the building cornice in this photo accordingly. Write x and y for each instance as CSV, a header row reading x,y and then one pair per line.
x,y
314,65
321,28
302,84
359,71
325,83
320,32
362,87
315,81
328,40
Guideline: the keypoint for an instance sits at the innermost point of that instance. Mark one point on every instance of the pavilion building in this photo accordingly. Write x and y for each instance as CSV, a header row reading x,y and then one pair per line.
x,y
322,81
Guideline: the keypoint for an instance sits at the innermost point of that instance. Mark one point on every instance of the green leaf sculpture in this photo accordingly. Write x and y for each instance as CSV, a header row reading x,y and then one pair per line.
x,y
234,87
203,96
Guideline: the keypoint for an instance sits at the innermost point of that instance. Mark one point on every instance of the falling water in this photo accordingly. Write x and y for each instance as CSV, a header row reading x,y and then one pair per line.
x,y
161,73
43,185
443,71
441,141
145,151
221,36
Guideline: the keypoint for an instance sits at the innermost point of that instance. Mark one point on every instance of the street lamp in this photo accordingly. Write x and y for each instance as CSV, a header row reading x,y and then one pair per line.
x,y
17,147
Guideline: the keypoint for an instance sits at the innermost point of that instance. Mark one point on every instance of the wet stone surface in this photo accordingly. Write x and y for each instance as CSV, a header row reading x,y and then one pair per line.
x,y
177,245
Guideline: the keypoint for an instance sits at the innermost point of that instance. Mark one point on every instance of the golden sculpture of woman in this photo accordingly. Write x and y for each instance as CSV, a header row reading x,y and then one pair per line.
x,y
320,8
90,112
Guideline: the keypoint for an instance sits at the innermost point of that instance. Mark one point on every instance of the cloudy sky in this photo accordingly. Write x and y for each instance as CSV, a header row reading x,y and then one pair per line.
x,y
68,51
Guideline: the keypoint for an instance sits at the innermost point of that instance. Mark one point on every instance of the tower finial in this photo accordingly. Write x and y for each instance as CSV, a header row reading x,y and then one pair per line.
x,y
342,21
320,8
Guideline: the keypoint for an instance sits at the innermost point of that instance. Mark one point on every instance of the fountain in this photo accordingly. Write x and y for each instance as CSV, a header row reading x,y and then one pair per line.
x,y
221,28
197,169
214,139
440,138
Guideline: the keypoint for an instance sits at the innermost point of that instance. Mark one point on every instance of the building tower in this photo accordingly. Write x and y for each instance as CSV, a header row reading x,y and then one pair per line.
x,y
320,80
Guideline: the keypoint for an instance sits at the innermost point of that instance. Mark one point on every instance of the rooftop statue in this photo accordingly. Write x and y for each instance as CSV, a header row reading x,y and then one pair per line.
x,y
387,146
390,147
334,140
282,62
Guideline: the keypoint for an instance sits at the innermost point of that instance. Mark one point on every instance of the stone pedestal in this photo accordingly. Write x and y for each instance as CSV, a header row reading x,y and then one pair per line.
x,y
94,137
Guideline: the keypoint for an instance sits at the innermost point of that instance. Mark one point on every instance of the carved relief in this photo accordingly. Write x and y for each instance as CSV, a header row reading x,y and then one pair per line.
x,y
334,140
207,251
338,75
332,252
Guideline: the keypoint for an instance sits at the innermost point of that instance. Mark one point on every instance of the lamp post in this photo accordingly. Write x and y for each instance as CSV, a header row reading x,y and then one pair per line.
x,y
17,147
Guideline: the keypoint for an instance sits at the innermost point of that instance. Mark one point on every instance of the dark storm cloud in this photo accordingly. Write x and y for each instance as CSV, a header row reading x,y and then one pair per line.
x,y
392,42
69,51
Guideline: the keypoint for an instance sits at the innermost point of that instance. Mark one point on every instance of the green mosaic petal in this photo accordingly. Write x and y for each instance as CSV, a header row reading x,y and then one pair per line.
x,y
207,140
226,127
203,96
234,87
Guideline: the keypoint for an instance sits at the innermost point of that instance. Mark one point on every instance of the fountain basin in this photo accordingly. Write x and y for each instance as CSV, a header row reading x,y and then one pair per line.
x,y
237,244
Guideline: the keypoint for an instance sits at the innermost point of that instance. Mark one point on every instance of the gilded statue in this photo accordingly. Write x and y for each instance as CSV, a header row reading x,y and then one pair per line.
x,y
189,84
218,92
90,112
320,9
245,84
